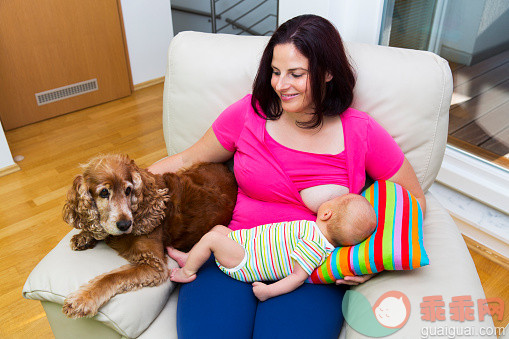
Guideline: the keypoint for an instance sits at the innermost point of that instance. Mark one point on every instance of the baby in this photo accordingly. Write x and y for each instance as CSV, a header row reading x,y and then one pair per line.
x,y
285,252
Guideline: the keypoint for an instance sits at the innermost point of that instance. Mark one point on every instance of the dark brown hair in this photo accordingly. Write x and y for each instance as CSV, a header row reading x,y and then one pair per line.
x,y
319,41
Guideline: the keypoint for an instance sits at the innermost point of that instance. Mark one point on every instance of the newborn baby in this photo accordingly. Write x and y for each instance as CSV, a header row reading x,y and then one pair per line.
x,y
285,252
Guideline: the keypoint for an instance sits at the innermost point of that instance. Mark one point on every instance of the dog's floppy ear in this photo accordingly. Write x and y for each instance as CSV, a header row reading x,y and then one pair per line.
x,y
137,195
79,209
148,201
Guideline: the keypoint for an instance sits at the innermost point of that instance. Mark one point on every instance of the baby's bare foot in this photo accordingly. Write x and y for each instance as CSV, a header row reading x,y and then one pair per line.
x,y
178,275
179,256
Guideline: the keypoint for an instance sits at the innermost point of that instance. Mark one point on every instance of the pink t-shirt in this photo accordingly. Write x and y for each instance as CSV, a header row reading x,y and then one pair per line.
x,y
266,192
308,169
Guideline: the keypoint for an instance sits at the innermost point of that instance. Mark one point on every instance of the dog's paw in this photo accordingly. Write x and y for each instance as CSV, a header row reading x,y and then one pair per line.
x,y
82,241
79,305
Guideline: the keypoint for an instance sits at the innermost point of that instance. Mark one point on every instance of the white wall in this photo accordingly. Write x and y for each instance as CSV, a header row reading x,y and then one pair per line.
x,y
5,153
356,20
475,30
292,8
461,24
494,26
149,30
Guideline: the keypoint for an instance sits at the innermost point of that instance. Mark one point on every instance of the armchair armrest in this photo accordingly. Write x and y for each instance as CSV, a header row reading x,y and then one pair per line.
x,y
63,271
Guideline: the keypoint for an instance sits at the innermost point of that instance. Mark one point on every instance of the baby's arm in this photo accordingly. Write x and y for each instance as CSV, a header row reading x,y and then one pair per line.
x,y
295,279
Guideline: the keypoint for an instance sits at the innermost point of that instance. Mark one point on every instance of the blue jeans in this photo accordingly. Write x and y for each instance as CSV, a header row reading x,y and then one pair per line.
x,y
217,306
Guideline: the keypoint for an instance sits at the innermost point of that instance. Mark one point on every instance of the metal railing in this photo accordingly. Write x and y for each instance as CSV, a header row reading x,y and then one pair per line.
x,y
236,23
255,17
192,11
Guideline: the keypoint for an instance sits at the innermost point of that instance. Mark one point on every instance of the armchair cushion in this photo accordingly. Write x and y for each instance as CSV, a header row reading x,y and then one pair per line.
x,y
63,271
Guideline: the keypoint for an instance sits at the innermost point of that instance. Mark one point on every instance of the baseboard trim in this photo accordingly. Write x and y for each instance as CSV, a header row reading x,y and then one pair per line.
x,y
492,243
148,83
469,59
9,169
489,52
486,252
455,55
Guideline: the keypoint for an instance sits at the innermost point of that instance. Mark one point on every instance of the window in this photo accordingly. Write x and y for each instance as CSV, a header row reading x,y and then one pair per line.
x,y
471,35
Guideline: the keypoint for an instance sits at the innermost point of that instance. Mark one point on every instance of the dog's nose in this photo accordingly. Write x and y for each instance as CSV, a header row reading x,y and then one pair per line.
x,y
124,225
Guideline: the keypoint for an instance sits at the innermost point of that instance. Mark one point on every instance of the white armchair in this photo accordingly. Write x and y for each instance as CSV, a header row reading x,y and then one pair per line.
x,y
408,92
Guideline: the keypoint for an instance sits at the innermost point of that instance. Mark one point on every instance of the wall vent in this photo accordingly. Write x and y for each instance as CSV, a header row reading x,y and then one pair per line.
x,y
65,92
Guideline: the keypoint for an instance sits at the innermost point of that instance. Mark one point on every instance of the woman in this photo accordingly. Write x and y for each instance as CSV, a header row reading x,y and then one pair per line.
x,y
296,143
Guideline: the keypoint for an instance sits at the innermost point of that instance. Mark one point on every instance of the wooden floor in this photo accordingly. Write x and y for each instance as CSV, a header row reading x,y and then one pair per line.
x,y
479,115
32,199
30,213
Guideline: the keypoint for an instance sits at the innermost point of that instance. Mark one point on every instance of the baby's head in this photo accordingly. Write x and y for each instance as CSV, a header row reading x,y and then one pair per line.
x,y
349,219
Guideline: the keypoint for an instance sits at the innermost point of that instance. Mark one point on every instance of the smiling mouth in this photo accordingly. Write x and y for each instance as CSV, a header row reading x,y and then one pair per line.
x,y
288,96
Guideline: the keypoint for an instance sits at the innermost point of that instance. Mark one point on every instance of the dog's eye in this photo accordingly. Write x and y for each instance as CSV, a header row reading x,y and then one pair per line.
x,y
104,193
128,191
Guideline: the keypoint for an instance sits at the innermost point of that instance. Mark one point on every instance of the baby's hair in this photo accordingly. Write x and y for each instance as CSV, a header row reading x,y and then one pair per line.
x,y
352,222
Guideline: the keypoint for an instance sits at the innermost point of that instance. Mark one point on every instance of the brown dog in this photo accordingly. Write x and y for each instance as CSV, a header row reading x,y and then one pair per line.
x,y
138,214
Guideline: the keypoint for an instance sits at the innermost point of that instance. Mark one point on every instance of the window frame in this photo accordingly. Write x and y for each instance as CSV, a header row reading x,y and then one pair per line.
x,y
475,177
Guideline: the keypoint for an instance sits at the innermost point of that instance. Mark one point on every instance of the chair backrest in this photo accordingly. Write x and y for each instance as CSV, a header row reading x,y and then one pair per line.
x,y
408,92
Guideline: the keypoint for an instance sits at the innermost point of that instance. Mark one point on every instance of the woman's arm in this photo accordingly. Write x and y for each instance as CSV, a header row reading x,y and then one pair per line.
x,y
207,149
406,177
382,154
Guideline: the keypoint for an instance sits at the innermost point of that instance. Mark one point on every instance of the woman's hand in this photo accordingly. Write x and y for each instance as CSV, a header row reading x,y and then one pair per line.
x,y
354,280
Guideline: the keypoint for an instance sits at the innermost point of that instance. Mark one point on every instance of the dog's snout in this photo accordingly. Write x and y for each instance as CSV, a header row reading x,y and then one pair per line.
x,y
124,225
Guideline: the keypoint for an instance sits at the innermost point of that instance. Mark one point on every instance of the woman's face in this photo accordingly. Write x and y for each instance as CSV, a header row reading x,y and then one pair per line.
x,y
290,79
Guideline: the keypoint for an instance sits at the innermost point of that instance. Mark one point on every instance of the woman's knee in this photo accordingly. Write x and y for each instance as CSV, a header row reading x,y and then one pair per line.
x,y
212,299
316,313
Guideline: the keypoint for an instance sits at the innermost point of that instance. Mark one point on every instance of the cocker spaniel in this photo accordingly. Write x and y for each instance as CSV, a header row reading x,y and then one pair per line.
x,y
138,214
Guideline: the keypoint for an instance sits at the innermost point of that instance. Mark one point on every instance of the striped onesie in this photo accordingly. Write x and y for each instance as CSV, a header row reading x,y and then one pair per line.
x,y
270,250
